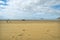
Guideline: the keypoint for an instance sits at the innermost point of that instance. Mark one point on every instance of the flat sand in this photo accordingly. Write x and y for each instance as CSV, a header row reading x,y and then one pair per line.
x,y
30,30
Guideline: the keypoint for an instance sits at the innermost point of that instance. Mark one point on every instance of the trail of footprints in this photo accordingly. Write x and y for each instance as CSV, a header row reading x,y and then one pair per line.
x,y
24,36
21,36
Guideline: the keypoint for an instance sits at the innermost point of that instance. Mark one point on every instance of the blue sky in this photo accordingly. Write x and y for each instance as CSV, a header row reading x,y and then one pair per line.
x,y
29,9
56,7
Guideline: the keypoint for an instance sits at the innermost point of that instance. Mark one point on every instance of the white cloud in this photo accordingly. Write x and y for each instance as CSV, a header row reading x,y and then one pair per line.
x,y
22,8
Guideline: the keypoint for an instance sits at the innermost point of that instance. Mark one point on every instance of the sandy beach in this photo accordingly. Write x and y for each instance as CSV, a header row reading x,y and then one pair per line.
x,y
30,30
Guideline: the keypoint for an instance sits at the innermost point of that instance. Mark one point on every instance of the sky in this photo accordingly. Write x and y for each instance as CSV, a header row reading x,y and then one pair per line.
x,y
29,9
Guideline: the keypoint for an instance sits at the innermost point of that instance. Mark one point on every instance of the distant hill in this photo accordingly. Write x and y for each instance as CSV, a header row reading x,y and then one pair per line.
x,y
58,18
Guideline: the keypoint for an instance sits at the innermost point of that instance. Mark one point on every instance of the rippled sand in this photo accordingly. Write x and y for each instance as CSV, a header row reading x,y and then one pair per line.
x,y
29,30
